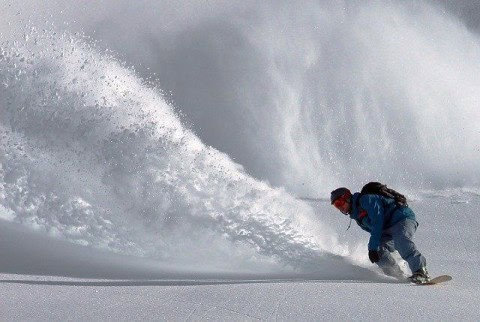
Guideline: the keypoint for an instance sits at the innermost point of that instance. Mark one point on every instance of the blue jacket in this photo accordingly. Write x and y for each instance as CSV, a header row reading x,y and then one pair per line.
x,y
376,213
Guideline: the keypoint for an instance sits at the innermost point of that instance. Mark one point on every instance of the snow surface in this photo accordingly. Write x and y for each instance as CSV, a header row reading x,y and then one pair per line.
x,y
447,236
194,185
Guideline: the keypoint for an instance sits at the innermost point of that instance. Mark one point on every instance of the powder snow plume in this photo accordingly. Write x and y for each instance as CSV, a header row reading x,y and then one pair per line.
x,y
250,103
92,154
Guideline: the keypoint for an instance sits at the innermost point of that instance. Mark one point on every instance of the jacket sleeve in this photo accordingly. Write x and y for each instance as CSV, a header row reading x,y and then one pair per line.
x,y
374,207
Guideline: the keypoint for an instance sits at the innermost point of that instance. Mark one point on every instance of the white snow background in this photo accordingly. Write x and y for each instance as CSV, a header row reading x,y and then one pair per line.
x,y
173,160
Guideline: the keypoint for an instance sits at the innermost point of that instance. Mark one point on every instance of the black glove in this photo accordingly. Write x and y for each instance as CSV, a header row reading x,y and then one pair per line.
x,y
373,255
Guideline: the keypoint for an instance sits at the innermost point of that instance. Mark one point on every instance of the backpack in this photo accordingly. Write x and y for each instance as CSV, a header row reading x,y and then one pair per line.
x,y
377,188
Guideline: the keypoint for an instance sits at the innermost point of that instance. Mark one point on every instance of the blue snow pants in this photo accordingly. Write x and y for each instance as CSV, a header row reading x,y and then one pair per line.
x,y
399,237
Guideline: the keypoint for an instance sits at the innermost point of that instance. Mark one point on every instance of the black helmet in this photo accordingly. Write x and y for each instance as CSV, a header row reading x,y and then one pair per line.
x,y
339,192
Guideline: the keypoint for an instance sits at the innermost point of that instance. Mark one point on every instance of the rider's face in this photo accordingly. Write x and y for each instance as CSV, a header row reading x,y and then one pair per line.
x,y
343,205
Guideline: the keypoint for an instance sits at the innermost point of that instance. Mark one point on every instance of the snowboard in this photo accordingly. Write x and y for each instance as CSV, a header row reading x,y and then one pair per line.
x,y
437,280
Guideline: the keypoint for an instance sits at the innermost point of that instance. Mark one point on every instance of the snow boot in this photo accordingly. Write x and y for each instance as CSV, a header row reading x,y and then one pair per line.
x,y
420,276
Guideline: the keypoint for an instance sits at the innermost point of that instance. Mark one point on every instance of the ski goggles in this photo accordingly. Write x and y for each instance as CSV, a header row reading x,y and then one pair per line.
x,y
340,202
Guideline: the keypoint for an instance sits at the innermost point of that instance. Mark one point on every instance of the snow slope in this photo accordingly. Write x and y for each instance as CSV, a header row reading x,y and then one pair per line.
x,y
173,160
447,235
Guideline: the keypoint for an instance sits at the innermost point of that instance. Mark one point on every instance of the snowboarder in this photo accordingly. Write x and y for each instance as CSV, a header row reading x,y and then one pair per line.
x,y
391,227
